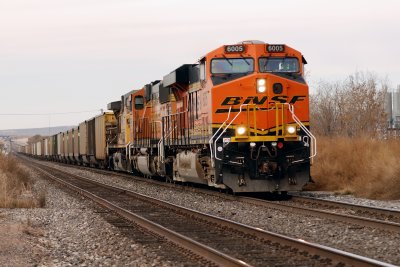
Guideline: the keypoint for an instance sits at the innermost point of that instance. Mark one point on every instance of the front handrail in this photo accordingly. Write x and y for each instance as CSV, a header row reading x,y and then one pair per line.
x,y
227,126
313,146
162,156
211,139
128,150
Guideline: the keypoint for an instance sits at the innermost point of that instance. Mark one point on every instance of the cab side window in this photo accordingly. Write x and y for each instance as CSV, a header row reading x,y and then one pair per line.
x,y
202,70
139,102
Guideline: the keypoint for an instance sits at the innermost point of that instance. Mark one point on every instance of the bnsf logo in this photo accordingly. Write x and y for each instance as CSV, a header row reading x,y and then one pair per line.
x,y
237,100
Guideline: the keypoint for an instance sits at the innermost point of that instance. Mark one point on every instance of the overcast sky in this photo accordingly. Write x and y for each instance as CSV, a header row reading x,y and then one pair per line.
x,y
75,56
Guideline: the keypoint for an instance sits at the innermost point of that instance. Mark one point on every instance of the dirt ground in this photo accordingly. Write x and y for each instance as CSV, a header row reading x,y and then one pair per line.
x,y
17,242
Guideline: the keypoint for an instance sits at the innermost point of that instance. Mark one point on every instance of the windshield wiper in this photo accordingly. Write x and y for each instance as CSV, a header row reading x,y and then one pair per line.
x,y
230,63
245,60
265,66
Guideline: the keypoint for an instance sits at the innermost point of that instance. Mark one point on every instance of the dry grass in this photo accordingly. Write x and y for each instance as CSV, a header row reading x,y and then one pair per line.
x,y
29,229
15,184
360,166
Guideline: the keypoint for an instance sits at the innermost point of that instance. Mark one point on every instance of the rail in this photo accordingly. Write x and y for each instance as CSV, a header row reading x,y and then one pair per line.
x,y
383,214
236,232
321,213
211,255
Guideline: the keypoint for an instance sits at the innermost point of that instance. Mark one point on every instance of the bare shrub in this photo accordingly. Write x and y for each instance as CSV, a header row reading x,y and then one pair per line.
x,y
363,166
14,183
354,155
352,107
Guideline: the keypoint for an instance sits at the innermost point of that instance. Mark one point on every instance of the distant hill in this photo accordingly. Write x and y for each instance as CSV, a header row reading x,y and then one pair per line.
x,y
34,131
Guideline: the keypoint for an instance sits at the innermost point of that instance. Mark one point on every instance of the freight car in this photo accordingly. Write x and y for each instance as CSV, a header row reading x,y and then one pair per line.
x,y
237,119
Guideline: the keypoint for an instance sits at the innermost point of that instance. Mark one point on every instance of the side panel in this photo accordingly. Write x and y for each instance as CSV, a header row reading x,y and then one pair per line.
x,y
100,137
38,148
54,145
83,138
103,126
46,146
59,144
50,145
42,147
76,142
91,144
65,145
70,143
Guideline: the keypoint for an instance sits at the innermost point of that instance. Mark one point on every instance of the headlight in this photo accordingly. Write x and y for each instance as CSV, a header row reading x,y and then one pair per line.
x,y
241,130
261,82
261,88
291,129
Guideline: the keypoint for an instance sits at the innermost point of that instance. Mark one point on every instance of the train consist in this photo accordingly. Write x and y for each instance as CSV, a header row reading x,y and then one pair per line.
x,y
237,119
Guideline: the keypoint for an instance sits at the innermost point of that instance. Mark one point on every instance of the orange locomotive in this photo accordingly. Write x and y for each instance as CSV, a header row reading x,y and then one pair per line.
x,y
237,119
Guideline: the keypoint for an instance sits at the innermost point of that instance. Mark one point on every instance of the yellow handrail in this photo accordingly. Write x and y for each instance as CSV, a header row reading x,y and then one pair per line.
x,y
280,107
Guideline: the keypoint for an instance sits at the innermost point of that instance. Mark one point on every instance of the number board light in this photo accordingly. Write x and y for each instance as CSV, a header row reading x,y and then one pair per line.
x,y
275,48
235,48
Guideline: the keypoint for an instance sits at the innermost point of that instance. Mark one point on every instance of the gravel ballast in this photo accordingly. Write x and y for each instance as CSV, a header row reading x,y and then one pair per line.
x,y
72,231
387,204
373,243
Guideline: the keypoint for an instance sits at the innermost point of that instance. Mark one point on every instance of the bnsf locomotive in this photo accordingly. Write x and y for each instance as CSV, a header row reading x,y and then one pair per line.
x,y
237,119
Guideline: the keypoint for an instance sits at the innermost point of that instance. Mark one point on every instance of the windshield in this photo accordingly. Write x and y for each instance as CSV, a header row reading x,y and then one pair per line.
x,y
232,65
279,64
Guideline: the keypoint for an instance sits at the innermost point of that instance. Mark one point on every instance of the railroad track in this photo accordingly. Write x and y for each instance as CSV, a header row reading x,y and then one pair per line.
x,y
215,240
364,216
317,208
382,214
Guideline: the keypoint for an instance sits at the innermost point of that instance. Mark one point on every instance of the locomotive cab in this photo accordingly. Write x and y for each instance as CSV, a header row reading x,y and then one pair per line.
x,y
260,116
